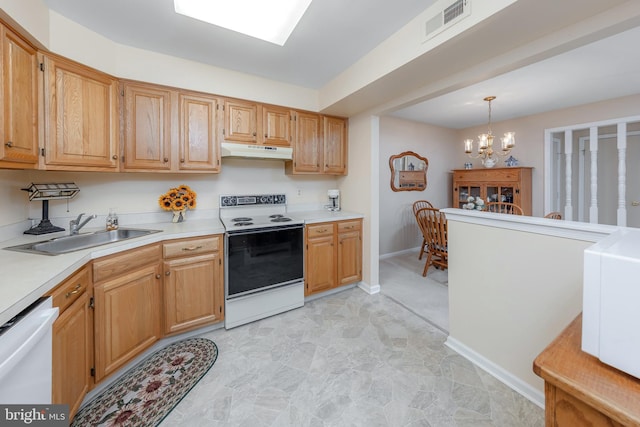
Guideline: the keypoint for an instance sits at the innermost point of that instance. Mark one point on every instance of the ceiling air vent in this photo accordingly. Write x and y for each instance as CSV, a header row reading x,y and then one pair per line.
x,y
446,16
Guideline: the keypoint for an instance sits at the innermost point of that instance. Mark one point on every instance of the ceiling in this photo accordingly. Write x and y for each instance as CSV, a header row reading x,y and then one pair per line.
x,y
334,34
330,37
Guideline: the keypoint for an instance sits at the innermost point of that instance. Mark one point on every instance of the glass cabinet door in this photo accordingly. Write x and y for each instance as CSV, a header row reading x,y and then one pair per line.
x,y
499,193
464,191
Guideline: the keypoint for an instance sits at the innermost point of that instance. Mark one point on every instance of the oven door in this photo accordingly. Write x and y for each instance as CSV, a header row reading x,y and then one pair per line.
x,y
261,259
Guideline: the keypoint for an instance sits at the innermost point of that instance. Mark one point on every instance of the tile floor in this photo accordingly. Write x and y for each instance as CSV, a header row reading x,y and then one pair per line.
x,y
348,359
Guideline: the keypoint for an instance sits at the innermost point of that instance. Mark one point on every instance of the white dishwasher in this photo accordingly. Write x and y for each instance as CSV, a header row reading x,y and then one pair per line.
x,y
26,355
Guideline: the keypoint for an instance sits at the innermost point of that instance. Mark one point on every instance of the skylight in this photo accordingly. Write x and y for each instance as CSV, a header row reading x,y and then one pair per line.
x,y
272,21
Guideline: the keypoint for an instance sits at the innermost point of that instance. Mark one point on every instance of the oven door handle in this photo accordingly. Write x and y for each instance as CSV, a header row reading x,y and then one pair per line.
x,y
263,230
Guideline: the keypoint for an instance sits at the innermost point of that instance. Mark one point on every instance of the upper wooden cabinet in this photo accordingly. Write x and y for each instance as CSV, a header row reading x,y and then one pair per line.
x,y
169,130
198,134
240,121
248,122
307,144
147,127
276,125
81,117
319,145
335,146
18,109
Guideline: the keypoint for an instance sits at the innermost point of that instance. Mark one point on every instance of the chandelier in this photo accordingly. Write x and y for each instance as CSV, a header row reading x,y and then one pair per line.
x,y
485,144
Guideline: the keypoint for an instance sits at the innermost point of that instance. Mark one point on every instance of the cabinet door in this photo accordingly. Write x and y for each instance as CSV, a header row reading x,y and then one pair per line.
x,y
462,191
72,354
81,119
199,145
127,317
307,143
240,121
349,253
320,262
276,126
192,292
147,127
335,146
19,107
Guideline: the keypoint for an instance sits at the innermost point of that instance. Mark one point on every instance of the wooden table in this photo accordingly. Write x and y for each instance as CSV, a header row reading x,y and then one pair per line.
x,y
582,391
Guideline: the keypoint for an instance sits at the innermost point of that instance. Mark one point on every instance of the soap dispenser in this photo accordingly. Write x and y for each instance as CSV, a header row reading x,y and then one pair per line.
x,y
112,220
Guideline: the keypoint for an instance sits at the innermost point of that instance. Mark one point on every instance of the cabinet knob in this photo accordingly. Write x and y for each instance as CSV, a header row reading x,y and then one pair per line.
x,y
9,144
157,276
166,160
181,160
254,134
114,157
167,273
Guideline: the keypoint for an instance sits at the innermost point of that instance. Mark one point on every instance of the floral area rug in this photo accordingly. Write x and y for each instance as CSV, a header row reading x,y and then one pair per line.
x,y
150,390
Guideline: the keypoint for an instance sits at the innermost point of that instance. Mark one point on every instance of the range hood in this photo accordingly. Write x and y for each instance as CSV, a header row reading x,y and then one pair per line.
x,y
255,151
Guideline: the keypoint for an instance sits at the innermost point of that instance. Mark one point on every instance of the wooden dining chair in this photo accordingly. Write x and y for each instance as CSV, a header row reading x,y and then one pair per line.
x,y
433,225
504,207
417,205
553,215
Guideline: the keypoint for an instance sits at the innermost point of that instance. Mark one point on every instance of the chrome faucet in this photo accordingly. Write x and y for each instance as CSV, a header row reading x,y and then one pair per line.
x,y
75,225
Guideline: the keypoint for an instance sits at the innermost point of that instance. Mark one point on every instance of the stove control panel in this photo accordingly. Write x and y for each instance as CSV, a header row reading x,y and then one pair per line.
x,y
253,200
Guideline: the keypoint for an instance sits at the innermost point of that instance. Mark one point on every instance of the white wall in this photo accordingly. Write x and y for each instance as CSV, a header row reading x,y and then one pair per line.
x,y
398,229
513,287
359,191
139,192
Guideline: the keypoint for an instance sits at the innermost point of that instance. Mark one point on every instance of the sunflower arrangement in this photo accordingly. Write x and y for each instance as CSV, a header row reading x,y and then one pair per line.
x,y
178,199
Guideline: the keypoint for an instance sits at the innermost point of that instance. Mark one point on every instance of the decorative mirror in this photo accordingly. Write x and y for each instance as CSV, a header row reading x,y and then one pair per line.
x,y
408,171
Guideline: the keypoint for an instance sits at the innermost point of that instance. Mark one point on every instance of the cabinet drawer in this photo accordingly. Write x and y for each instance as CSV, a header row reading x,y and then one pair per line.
x,y
325,229
194,246
108,267
349,226
495,175
70,290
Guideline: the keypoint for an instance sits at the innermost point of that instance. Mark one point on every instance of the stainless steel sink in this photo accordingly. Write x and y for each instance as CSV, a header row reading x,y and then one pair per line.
x,y
61,245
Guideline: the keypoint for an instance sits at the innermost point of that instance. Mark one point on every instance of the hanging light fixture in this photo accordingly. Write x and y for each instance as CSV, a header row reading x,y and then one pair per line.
x,y
485,152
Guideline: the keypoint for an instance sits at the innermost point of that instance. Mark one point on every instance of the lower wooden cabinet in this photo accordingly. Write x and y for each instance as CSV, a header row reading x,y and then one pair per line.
x,y
580,390
72,341
349,252
127,308
333,255
320,259
193,283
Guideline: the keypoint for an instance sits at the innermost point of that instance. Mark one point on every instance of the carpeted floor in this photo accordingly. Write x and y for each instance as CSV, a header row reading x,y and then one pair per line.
x,y
150,390
428,297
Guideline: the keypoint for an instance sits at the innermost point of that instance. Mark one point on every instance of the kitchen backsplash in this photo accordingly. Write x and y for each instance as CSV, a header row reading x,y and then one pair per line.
x,y
137,193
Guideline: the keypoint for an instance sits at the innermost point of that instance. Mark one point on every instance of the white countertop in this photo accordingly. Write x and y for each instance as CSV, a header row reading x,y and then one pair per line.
x,y
26,277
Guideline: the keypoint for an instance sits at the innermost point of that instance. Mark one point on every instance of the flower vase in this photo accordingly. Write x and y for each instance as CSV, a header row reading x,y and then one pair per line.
x,y
179,216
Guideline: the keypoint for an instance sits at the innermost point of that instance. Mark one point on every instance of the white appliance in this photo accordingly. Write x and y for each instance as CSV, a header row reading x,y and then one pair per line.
x,y
334,200
264,257
252,151
26,355
611,294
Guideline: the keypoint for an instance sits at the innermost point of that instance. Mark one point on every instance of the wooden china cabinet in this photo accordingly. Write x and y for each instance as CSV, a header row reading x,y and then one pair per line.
x,y
510,184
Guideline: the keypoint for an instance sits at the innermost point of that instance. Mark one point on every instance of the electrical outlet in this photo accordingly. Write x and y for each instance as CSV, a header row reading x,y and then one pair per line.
x,y
299,192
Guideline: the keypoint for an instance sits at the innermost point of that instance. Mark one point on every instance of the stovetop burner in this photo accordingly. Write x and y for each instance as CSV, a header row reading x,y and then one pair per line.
x,y
281,219
248,212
